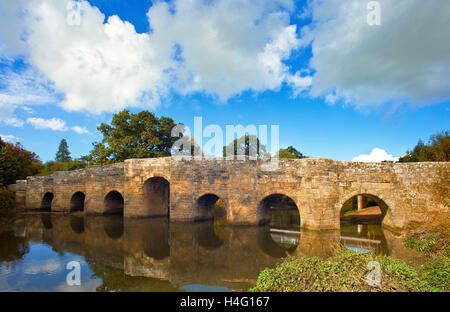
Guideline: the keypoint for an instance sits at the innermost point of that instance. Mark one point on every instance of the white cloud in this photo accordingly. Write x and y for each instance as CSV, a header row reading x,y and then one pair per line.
x,y
224,48
50,266
20,89
377,155
227,47
54,124
404,60
9,138
80,130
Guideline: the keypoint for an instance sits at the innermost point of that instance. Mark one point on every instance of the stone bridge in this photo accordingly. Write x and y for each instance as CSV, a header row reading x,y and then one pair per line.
x,y
186,190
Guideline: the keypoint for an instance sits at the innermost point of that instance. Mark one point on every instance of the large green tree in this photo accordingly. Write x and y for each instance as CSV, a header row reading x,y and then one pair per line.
x,y
437,149
16,163
141,135
290,152
63,154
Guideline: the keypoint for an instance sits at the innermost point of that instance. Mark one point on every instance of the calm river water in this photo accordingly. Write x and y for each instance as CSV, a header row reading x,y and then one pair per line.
x,y
117,254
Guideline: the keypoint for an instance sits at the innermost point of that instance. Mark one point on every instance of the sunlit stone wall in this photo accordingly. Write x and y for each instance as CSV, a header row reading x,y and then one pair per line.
x,y
407,192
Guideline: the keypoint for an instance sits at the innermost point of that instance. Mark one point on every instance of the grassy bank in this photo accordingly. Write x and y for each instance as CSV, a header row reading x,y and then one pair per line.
x,y
347,270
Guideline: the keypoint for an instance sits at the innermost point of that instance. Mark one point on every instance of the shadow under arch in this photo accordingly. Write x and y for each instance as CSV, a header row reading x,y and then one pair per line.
x,y
156,196
77,202
46,203
77,224
113,203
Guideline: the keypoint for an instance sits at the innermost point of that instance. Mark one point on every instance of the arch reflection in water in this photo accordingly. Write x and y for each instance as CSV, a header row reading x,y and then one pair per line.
x,y
113,226
205,233
46,219
77,224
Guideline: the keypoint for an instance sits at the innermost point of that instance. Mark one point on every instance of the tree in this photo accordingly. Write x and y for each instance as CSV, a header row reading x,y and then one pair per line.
x,y
140,135
290,152
437,149
16,163
247,145
63,154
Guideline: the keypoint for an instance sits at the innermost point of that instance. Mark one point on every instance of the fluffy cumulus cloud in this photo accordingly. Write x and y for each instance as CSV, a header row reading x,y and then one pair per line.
x,y
406,59
226,47
54,124
377,155
220,48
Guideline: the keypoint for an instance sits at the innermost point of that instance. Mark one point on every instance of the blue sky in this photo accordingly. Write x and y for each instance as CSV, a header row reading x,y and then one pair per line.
x,y
333,95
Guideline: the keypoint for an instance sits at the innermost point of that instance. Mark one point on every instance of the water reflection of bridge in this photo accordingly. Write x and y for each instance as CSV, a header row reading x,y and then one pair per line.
x,y
184,253
364,241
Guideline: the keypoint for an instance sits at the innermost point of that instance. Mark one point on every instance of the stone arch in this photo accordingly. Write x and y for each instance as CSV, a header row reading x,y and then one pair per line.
x,y
263,209
46,203
113,203
77,202
378,199
204,206
156,196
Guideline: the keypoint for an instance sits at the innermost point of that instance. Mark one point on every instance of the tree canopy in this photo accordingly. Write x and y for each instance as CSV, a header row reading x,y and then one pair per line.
x,y
247,145
437,149
16,163
141,135
290,152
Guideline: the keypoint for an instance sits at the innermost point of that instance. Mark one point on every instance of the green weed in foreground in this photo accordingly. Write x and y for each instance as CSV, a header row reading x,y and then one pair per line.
x,y
347,271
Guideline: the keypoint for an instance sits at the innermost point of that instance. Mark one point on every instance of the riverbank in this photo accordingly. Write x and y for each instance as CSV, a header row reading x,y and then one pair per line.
x,y
348,270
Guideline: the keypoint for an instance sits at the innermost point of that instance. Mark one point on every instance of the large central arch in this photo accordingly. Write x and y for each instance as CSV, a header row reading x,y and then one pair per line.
x,y
113,203
46,203
363,208
156,196
77,202
281,217
206,208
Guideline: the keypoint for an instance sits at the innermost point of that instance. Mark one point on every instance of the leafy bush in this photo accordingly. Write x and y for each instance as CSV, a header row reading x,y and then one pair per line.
x,y
347,271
